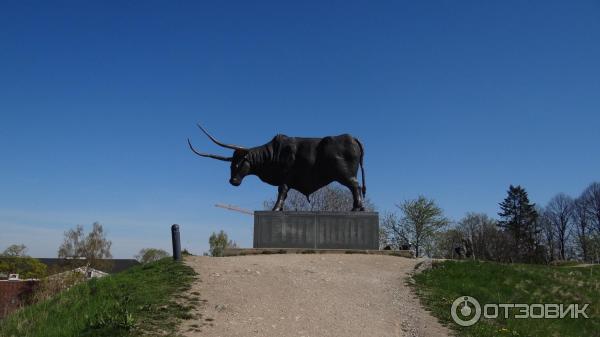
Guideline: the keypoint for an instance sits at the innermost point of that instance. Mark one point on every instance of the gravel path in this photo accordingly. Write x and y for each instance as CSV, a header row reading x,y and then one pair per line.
x,y
307,295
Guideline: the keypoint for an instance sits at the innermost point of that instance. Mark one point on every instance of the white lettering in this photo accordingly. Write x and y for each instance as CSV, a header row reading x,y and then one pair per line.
x,y
580,311
564,313
485,311
505,307
551,311
532,313
523,310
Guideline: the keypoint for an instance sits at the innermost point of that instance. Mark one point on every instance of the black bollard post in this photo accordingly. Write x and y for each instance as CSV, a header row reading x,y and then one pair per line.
x,y
176,242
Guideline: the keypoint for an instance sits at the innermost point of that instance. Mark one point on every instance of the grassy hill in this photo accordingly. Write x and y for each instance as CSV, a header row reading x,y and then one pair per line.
x,y
142,301
513,283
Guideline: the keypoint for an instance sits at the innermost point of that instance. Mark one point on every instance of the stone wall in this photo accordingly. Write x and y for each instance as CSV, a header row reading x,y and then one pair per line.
x,y
15,294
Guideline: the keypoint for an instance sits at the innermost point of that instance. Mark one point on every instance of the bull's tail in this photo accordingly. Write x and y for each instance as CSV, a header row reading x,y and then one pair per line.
x,y
362,169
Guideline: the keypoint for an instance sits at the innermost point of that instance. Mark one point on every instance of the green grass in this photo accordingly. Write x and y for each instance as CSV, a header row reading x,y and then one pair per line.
x,y
142,301
513,283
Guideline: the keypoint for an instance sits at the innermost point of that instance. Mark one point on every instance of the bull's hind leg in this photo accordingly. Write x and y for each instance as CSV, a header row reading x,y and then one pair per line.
x,y
354,187
281,195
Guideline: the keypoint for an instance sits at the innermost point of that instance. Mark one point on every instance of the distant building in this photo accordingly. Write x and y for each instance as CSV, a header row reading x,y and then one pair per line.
x,y
86,272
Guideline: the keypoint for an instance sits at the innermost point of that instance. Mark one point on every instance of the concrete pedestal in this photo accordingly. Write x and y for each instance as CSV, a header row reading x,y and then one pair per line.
x,y
316,230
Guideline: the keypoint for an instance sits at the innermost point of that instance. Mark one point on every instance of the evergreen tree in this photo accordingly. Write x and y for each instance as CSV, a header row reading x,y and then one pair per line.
x,y
519,219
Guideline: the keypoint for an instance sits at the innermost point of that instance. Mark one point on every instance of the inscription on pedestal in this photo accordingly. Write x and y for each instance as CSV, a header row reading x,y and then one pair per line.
x,y
316,230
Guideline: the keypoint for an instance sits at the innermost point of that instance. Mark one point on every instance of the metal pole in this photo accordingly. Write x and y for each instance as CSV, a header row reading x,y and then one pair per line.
x,y
176,242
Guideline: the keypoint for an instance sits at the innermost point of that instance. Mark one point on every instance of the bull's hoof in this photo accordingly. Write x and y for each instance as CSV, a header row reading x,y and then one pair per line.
x,y
358,209
277,209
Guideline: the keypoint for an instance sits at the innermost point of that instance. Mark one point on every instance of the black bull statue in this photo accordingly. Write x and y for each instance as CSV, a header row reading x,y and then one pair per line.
x,y
304,164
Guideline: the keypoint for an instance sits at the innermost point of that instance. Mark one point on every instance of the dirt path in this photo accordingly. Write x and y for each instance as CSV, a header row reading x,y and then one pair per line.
x,y
307,295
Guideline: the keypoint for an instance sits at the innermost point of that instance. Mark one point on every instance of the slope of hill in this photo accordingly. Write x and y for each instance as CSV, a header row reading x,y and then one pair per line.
x,y
136,302
494,283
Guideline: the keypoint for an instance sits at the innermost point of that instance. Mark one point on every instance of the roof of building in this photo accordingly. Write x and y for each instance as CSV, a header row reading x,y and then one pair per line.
x,y
110,266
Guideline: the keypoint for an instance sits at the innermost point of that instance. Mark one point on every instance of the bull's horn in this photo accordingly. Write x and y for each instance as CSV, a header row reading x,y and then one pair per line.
x,y
233,147
214,156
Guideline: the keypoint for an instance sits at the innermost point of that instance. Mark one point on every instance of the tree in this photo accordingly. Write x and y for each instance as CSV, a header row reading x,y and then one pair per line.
x,y
519,219
25,266
97,246
91,250
559,212
482,233
332,198
476,236
147,255
392,232
15,261
591,199
73,243
446,242
421,219
219,242
548,233
15,250
497,243
581,222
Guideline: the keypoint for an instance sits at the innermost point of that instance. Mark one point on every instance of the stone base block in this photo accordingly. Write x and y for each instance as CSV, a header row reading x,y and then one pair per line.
x,y
316,230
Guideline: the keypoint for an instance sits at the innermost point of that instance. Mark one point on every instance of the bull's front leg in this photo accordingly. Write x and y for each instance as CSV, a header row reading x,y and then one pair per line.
x,y
281,195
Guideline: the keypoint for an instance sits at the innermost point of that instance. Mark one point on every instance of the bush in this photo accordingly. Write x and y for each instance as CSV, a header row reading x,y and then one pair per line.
x,y
219,242
26,267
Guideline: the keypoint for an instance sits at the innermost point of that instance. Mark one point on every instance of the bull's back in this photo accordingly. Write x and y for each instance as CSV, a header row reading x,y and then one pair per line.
x,y
336,146
320,161
316,151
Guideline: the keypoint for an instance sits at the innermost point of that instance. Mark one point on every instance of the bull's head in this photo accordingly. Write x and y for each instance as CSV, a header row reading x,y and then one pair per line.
x,y
240,166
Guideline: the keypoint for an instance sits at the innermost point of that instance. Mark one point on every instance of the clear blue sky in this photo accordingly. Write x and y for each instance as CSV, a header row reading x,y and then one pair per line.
x,y
454,100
